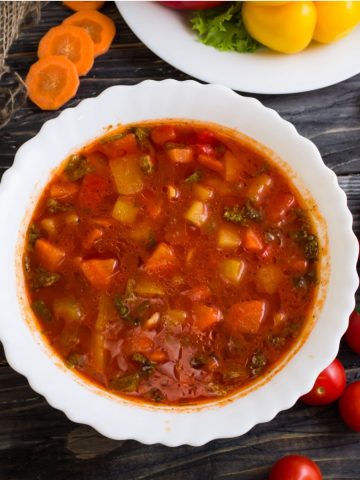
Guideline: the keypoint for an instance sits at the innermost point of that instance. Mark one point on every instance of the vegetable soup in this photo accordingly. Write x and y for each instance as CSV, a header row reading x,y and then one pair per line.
x,y
171,262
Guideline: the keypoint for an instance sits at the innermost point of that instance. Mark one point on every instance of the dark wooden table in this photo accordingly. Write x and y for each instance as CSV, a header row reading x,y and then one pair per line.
x,y
39,442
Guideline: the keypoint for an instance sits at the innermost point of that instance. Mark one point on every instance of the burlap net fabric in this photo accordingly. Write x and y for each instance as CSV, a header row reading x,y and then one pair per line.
x,y
13,16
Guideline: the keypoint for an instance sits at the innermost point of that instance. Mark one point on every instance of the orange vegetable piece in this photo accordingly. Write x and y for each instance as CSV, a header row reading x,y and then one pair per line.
x,y
62,190
205,317
92,238
158,356
163,134
100,28
51,82
119,147
252,241
162,258
99,272
50,256
199,294
140,343
211,163
72,42
181,155
77,6
246,317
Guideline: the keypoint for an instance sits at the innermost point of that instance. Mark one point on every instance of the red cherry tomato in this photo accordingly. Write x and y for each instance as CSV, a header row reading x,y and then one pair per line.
x,y
328,387
191,5
352,334
349,406
295,467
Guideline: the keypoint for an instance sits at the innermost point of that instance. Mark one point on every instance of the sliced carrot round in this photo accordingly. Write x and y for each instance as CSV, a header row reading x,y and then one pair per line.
x,y
100,28
72,42
52,81
76,6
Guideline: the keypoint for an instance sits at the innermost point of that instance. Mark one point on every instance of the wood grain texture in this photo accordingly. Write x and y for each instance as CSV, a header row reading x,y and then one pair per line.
x,y
38,442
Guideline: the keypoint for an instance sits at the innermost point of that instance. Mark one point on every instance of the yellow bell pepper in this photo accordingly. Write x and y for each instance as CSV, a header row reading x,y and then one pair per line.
x,y
285,28
335,20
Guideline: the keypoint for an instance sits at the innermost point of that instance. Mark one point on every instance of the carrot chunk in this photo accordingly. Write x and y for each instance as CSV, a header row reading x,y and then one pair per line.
x,y
163,134
116,145
71,42
163,258
246,317
50,256
51,82
99,272
181,155
279,207
158,356
252,241
205,317
211,163
100,28
92,238
62,190
77,6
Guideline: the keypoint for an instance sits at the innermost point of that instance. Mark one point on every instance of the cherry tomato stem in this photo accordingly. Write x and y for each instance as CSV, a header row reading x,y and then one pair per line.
x,y
328,387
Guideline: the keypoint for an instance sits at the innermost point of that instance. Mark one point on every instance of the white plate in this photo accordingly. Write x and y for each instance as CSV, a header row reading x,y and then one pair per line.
x,y
168,34
118,418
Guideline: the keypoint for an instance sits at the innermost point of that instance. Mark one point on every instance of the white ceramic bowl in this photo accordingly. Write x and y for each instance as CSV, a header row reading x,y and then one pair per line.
x,y
121,419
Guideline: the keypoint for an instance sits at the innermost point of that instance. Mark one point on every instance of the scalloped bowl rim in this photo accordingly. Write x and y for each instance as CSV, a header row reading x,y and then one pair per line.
x,y
117,418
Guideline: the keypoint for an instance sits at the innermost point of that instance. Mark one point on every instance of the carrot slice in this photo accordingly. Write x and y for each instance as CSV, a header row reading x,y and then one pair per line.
x,y
72,42
100,28
246,317
51,82
50,256
77,6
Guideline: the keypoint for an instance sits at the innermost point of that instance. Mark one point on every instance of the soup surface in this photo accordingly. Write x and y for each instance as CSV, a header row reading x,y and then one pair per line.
x,y
171,262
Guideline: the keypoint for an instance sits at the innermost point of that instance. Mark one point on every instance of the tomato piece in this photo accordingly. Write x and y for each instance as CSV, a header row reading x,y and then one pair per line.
x,y
328,387
349,406
295,467
190,5
93,190
352,334
206,136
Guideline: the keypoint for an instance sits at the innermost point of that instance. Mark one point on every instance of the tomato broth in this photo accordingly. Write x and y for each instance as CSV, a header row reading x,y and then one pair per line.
x,y
171,262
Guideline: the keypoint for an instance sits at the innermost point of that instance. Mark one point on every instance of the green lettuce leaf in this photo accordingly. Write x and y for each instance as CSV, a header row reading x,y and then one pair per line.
x,y
223,28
